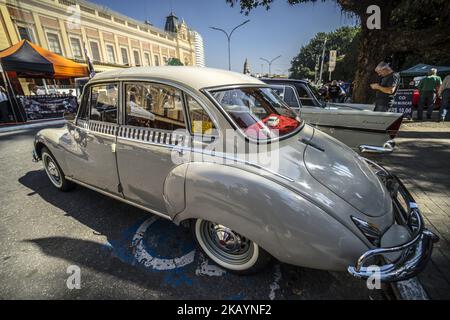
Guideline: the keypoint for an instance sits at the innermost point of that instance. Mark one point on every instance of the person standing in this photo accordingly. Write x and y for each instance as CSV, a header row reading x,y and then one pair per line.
x,y
4,103
386,87
428,87
335,92
444,93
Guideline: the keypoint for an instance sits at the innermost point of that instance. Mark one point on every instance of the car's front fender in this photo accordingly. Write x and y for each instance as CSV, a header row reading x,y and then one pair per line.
x,y
52,139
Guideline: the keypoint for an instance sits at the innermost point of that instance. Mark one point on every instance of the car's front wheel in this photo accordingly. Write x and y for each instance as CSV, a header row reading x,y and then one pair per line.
x,y
54,172
228,248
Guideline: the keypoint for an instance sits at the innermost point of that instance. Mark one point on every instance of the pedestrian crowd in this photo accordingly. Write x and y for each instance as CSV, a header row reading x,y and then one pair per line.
x,y
430,88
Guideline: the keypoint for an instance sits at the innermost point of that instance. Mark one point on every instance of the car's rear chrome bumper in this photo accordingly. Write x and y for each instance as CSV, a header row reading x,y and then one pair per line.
x,y
388,147
414,254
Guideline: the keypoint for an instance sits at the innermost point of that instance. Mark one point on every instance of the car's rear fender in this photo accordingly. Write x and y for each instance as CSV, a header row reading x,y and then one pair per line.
x,y
289,227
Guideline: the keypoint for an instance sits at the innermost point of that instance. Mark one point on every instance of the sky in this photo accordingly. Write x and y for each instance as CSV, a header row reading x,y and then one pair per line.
x,y
282,30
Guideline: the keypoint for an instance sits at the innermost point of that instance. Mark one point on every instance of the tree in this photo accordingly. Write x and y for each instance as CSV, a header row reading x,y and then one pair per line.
x,y
342,40
174,62
410,31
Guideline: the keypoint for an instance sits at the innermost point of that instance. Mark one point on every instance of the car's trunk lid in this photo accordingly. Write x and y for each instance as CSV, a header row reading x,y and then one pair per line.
x,y
338,168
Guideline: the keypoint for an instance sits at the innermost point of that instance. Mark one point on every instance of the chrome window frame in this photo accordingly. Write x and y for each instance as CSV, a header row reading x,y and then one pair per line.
x,y
207,92
294,89
119,99
124,103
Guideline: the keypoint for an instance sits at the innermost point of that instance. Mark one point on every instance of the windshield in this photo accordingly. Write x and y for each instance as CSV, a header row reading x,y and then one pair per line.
x,y
258,112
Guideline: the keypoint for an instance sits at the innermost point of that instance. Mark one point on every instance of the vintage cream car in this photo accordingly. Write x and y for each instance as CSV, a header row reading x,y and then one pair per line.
x,y
191,145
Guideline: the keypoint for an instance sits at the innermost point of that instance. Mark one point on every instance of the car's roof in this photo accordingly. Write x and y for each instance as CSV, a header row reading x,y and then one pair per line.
x,y
195,77
282,80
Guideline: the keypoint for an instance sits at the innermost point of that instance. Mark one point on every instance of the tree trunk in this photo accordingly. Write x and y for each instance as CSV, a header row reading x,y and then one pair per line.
x,y
374,47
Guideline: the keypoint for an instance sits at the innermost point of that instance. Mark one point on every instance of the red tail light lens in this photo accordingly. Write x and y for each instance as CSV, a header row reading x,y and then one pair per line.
x,y
394,127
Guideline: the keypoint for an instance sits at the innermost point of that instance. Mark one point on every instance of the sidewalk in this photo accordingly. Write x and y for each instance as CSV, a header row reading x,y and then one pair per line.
x,y
422,160
29,125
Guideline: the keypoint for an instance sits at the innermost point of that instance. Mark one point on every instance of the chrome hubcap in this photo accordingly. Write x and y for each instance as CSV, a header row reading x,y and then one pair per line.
x,y
52,171
227,239
226,244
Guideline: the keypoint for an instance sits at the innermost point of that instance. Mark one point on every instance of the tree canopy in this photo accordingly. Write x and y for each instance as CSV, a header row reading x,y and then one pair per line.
x,y
412,31
344,40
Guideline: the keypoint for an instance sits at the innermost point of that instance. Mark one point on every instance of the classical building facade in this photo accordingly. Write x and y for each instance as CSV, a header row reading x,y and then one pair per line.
x,y
112,40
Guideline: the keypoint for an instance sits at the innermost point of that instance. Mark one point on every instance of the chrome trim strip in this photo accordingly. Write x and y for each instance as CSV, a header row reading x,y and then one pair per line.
x,y
119,198
181,148
388,147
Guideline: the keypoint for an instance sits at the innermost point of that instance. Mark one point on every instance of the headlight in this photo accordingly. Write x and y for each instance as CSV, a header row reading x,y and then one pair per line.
x,y
372,233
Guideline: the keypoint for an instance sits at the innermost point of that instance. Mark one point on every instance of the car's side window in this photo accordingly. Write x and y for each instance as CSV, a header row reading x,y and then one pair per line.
x,y
83,113
305,98
201,122
290,98
103,103
155,106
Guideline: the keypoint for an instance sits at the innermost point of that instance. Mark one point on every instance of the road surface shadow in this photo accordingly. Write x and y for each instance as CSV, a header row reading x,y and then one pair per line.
x,y
118,222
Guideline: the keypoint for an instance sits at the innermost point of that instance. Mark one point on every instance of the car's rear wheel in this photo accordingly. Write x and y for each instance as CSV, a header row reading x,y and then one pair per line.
x,y
54,172
228,248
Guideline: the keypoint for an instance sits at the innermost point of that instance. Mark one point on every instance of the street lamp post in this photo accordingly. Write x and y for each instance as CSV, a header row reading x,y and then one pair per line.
x,y
228,35
270,62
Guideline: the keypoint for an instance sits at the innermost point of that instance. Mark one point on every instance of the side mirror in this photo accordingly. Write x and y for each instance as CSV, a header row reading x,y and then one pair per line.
x,y
69,116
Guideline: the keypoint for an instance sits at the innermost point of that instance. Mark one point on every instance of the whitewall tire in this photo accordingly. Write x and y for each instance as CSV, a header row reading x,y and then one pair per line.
x,y
229,249
54,172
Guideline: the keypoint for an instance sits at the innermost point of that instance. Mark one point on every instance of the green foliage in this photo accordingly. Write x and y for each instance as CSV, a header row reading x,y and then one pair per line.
x,y
174,62
421,14
345,40
247,5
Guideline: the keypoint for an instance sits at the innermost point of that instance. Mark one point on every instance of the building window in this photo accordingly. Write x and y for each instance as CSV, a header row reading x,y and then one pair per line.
x,y
156,60
147,59
137,59
124,53
53,43
165,60
25,33
95,51
110,53
75,44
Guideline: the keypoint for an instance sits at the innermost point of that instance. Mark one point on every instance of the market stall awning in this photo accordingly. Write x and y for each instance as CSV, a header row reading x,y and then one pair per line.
x,y
29,60
423,69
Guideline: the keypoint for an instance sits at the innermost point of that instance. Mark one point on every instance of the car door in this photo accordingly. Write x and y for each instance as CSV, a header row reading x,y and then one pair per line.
x,y
153,131
91,156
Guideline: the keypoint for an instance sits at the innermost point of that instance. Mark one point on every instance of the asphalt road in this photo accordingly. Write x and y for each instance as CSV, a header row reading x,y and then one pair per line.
x,y
43,232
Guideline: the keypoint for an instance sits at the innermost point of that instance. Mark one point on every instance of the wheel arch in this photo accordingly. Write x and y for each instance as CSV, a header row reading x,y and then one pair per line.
x,y
51,139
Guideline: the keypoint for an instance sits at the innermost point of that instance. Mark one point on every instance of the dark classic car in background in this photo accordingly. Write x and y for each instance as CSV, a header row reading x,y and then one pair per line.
x,y
354,124
321,206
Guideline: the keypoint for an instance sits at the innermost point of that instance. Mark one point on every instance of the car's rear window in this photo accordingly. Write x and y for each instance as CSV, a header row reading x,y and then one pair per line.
x,y
258,112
